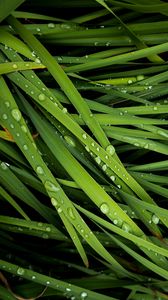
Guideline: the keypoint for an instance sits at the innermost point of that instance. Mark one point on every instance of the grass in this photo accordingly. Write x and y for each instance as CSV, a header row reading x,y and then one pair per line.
x,y
83,146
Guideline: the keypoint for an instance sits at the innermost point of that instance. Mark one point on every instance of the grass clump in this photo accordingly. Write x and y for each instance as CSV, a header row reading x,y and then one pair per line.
x,y
83,146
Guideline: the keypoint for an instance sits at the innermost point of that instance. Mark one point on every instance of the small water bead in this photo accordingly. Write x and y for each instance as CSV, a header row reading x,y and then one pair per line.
x,y
126,227
70,140
59,210
45,236
155,219
163,133
38,29
33,277
83,295
104,167
87,148
155,108
71,213
110,149
54,201
48,229
119,186
84,135
64,110
14,66
18,134
129,81
108,44
32,92
20,271
140,77
7,103
38,61
68,289
98,149
4,166
51,25
40,170
16,114
112,178
98,160
4,116
104,208
25,147
24,128
96,43
51,186
41,97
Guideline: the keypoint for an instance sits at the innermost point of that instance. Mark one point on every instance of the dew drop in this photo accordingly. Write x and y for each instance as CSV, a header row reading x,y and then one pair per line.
x,y
98,160
110,149
59,210
38,61
24,129
54,202
104,167
51,25
48,229
20,271
40,170
155,108
155,219
38,29
33,277
14,66
7,103
84,295
104,208
112,178
25,147
41,97
129,81
70,140
4,166
126,227
51,186
16,114
4,116
140,77
45,236
64,110
84,135
71,213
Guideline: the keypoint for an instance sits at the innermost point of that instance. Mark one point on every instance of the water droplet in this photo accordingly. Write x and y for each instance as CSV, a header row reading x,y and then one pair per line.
x,y
7,103
110,149
129,81
98,149
98,160
4,116
51,186
40,170
140,77
24,128
38,61
14,66
87,148
59,210
96,43
108,44
70,140
119,186
54,202
155,219
104,208
32,92
155,108
126,227
40,224
33,277
71,213
41,97
84,295
38,29
112,178
64,110
68,289
4,166
115,221
20,271
16,114
45,236
25,147
48,229
51,25
84,135
104,167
